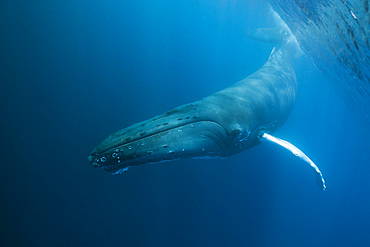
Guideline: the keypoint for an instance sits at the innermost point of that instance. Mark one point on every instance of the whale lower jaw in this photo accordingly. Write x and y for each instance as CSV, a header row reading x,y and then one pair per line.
x,y
199,139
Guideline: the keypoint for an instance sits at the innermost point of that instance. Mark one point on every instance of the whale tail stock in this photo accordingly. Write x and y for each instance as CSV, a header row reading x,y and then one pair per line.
x,y
279,35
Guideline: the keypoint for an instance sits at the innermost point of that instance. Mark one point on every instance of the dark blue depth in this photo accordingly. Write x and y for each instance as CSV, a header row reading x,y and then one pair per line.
x,y
72,72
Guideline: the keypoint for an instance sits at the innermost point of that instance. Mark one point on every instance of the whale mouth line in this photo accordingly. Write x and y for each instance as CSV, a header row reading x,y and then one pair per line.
x,y
152,134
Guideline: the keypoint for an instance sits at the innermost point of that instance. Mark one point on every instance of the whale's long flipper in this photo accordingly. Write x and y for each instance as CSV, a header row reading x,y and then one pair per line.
x,y
299,154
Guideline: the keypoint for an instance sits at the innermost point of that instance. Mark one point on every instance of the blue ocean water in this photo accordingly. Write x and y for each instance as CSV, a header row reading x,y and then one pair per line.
x,y
72,72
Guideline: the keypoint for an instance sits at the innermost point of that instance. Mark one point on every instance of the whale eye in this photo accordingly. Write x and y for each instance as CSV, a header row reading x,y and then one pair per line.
x,y
236,133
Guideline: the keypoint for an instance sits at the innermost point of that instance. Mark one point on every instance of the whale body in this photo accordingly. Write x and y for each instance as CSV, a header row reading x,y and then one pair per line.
x,y
220,125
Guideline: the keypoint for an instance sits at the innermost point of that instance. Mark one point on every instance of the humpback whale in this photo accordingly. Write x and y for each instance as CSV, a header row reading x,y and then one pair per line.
x,y
220,125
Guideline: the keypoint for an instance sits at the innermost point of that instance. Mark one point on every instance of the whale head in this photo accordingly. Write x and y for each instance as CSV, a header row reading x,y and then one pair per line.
x,y
188,131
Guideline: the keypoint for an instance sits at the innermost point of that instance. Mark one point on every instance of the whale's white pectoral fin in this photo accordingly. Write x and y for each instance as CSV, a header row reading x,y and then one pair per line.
x,y
299,154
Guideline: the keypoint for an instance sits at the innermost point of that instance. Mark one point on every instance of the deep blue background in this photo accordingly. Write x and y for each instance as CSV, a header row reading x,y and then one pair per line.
x,y
72,72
